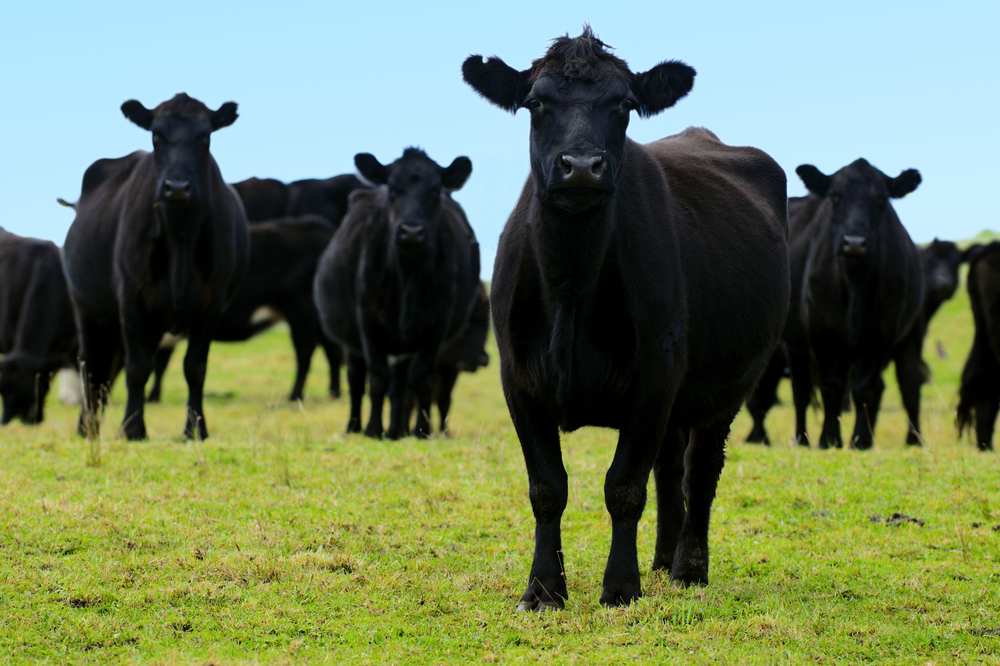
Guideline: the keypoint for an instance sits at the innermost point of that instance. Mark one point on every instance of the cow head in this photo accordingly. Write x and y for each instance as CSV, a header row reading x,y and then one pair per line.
x,y
182,129
580,97
859,196
941,262
24,383
416,186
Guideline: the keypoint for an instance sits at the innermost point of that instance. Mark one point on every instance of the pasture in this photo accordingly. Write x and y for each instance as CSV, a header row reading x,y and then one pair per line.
x,y
282,540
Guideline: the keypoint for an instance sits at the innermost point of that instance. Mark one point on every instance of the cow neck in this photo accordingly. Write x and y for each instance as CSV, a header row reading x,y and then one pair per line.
x,y
570,250
412,272
860,283
180,229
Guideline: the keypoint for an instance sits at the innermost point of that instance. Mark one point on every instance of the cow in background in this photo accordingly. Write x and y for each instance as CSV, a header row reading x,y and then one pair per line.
x,y
397,282
268,199
278,286
37,332
979,393
159,245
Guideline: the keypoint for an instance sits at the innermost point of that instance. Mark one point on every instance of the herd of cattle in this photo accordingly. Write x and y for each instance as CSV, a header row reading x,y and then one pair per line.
x,y
650,288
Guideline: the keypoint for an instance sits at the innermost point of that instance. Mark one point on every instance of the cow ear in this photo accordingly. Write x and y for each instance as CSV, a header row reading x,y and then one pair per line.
x,y
138,114
904,183
815,180
225,116
496,81
661,87
970,253
455,175
369,167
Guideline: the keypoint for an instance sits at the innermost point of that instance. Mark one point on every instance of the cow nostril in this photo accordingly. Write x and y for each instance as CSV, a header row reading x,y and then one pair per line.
x,y
567,166
597,168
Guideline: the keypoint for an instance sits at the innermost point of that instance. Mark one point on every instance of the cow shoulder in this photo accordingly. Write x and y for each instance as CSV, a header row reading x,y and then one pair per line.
x,y
106,169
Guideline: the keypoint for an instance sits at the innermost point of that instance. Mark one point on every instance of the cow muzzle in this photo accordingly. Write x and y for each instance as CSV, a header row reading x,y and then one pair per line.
x,y
411,235
175,191
854,246
581,170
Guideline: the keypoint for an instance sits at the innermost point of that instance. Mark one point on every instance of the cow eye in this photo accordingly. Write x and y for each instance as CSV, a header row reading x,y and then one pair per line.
x,y
835,198
630,105
157,137
533,104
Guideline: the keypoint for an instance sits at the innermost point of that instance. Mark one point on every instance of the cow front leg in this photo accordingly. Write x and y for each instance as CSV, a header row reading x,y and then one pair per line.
x,y
668,471
802,387
141,340
548,490
379,377
867,393
357,372
99,347
195,367
833,384
422,383
910,375
703,461
399,417
161,359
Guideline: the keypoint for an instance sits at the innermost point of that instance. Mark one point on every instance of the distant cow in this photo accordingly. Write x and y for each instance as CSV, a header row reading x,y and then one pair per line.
x,y
637,287
267,199
857,290
278,285
37,333
941,263
979,394
398,282
159,245
465,353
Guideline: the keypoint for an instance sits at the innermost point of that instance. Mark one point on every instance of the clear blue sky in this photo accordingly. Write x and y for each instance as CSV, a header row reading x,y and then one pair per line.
x,y
903,84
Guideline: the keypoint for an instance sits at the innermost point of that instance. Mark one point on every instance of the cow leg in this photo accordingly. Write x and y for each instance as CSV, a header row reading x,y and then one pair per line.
x,y
141,340
833,383
399,417
195,366
669,473
379,377
801,392
443,386
987,407
304,338
335,358
161,359
867,394
422,382
764,397
910,375
548,490
357,371
99,346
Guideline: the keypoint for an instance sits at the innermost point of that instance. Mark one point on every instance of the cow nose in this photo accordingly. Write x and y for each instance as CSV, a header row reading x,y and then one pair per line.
x,y
412,234
854,246
176,190
581,170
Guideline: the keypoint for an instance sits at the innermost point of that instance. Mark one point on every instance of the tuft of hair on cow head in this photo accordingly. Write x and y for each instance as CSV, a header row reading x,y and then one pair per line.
x,y
903,184
662,86
224,116
815,180
453,176
371,169
496,81
138,114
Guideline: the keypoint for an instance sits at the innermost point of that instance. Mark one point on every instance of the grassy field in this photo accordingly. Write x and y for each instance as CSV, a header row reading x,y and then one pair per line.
x,y
281,540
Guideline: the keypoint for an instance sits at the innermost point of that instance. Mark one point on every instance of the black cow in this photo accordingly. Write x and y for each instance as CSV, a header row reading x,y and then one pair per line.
x,y
465,353
278,285
979,393
267,199
857,290
399,280
159,244
637,287
37,333
941,263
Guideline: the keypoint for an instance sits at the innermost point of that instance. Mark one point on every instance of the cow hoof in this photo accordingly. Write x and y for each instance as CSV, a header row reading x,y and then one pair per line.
x,y
374,433
421,434
538,606
685,579
135,433
353,426
620,595
913,439
295,397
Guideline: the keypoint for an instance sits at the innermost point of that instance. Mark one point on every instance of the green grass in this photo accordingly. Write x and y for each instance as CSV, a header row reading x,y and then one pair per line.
x,y
281,540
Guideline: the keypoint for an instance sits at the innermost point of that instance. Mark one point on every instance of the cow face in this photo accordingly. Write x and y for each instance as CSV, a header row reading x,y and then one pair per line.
x,y
859,195
415,185
23,385
941,262
580,98
182,129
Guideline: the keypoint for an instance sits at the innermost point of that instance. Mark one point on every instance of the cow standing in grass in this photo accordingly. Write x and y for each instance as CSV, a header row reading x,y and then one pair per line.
x,y
637,287
159,245
397,283
979,393
37,332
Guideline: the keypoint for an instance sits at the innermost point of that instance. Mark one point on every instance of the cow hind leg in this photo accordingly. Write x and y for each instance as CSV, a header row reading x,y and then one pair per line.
x,y
833,383
399,416
304,333
334,358
987,408
668,471
801,393
764,397
379,378
161,359
99,348
867,400
195,366
444,386
357,371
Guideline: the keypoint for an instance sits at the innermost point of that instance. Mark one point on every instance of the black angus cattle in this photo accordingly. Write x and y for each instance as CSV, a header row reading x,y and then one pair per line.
x,y
941,261
398,282
637,287
37,333
465,353
267,199
159,244
857,290
278,285
979,393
